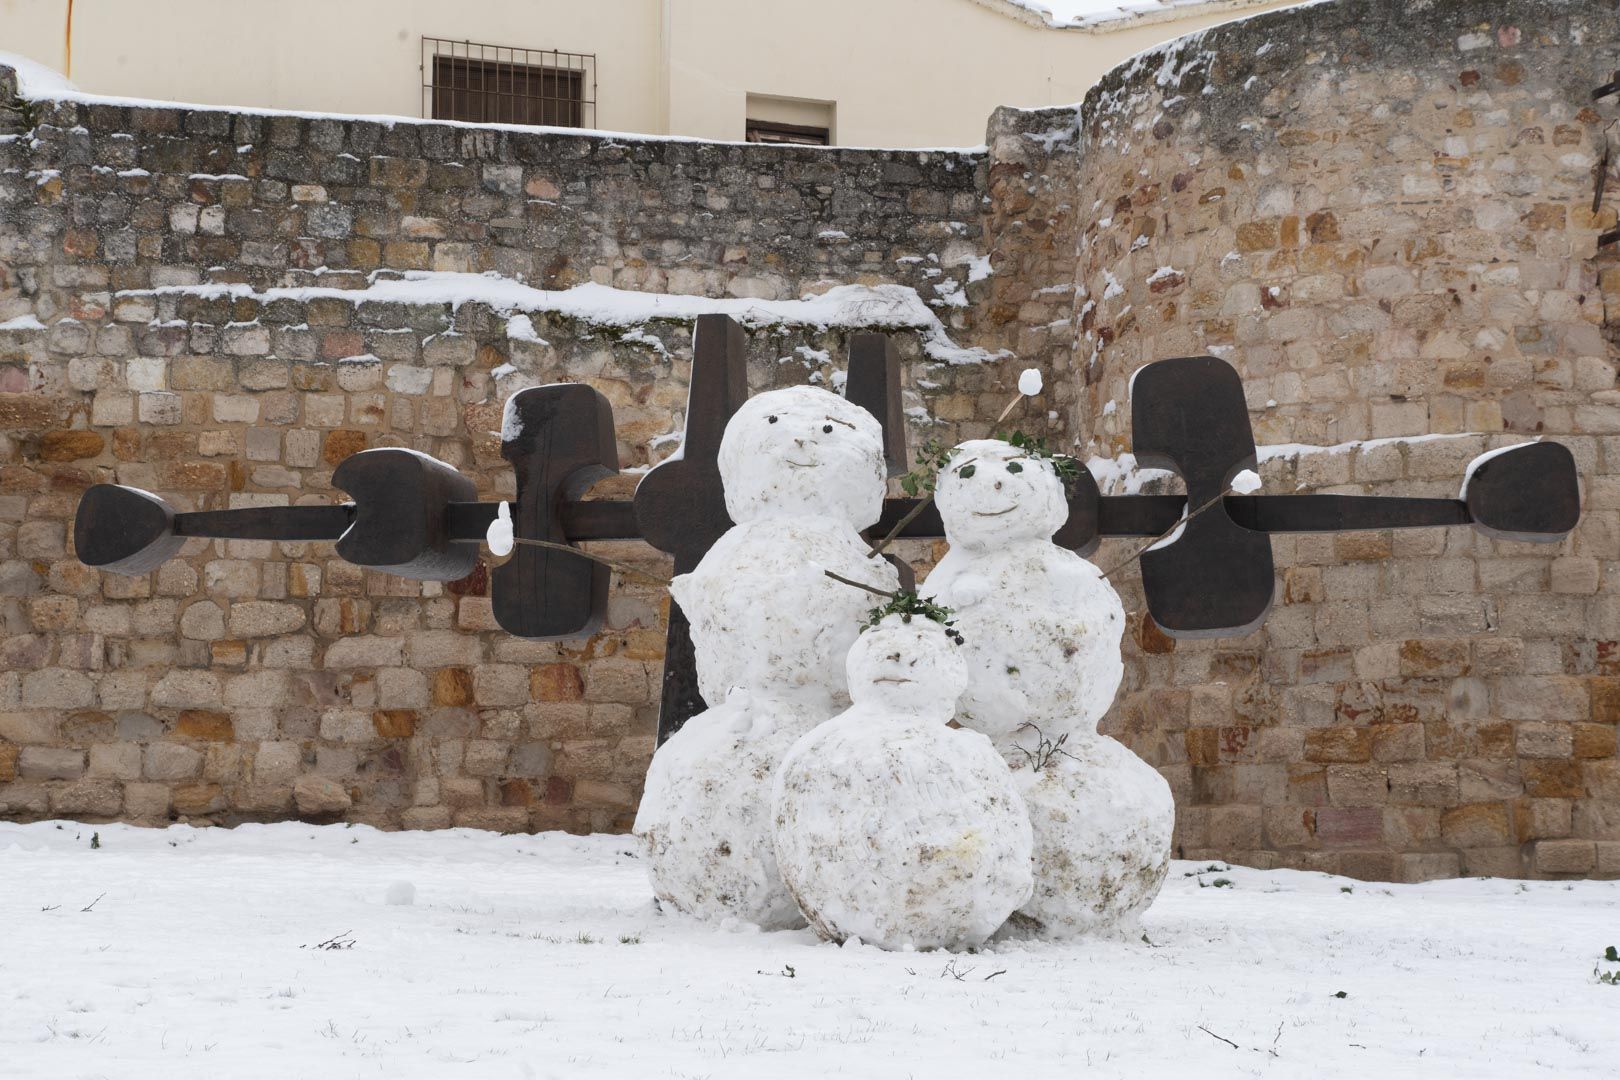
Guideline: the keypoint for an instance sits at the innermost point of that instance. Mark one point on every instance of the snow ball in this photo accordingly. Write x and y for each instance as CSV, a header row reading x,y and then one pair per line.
x,y
499,537
1029,383
400,894
1246,482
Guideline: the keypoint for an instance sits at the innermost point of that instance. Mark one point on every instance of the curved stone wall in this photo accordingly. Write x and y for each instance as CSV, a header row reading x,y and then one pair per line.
x,y
1382,214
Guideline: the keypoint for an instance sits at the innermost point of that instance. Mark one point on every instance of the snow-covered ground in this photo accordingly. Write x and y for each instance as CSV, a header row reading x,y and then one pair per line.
x,y
190,953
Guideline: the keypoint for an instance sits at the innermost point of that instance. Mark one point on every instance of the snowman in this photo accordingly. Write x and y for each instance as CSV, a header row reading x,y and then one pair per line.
x,y
803,472
892,827
1042,629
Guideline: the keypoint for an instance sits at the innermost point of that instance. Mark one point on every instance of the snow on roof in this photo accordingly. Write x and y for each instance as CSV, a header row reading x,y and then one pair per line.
x,y
1099,14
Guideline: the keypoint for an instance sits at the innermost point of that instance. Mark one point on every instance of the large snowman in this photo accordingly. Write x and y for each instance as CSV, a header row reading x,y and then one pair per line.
x,y
803,472
892,827
1042,630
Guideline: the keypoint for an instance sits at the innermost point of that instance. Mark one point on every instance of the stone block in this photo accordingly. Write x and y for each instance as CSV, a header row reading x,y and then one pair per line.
x,y
320,796
49,763
251,619
87,799
115,761
1565,856
172,761
57,688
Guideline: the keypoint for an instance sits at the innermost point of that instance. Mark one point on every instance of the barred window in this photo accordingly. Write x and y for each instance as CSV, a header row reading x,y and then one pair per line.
x,y
495,84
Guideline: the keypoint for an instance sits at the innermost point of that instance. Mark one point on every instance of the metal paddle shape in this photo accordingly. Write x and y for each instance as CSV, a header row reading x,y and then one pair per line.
x,y
419,518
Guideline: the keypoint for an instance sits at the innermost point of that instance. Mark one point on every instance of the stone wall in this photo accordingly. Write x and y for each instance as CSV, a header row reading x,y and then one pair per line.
x,y
182,309
1381,212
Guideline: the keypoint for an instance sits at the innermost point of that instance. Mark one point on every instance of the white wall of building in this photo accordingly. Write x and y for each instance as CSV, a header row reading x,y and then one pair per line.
x,y
898,72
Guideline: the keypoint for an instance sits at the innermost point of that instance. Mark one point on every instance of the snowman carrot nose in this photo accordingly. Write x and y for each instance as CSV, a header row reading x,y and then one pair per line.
x,y
499,536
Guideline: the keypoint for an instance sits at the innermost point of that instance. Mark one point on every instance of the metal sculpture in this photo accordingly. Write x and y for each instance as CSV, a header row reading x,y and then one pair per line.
x,y
418,518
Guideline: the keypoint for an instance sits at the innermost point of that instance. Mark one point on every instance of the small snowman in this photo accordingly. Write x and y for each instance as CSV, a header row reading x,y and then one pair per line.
x,y
892,827
1043,630
803,472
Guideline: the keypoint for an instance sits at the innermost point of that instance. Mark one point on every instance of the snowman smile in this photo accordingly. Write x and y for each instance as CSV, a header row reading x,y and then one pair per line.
x,y
898,680
802,464
993,513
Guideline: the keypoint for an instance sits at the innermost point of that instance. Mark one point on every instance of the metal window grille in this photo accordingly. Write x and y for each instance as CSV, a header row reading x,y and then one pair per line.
x,y
497,84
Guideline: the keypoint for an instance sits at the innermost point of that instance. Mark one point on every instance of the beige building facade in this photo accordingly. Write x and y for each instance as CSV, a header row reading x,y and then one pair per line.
x,y
901,73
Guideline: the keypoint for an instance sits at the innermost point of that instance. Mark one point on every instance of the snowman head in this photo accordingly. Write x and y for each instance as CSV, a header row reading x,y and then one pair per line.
x,y
993,492
803,452
913,668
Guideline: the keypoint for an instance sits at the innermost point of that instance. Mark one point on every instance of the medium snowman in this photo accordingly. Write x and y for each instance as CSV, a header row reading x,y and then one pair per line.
x,y
891,826
803,473
1042,629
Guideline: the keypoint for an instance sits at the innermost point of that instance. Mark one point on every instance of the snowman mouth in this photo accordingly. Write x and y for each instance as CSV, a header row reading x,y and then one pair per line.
x,y
993,513
898,680
803,464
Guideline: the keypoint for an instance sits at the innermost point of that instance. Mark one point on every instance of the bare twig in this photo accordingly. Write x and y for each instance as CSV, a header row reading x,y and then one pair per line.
x,y
1117,567
1212,1035
911,515
859,584
623,568
993,974
92,903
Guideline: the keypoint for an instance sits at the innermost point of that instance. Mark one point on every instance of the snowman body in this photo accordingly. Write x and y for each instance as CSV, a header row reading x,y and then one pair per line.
x,y
1043,631
803,472
892,827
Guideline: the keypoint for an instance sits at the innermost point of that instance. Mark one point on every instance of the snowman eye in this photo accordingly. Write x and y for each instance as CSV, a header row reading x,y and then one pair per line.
x,y
770,419
826,429
1013,466
966,472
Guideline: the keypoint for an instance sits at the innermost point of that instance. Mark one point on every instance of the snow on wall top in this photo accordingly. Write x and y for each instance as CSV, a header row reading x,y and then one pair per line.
x,y
842,307
1103,14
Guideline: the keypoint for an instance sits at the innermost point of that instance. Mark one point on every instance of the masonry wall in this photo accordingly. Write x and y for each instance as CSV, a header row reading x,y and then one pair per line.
x,y
1382,214
138,344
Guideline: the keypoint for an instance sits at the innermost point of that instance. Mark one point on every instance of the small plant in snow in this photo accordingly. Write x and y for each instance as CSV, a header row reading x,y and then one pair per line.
x,y
95,841
906,604
1045,749
1066,467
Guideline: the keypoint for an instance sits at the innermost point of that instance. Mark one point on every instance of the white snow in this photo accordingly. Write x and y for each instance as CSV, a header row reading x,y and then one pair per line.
x,y
1067,14
1121,475
1267,451
28,321
499,535
1246,482
542,956
841,307
1029,382
521,328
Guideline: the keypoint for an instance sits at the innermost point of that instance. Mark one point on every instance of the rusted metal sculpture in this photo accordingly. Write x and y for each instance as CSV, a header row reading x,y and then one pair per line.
x,y
418,518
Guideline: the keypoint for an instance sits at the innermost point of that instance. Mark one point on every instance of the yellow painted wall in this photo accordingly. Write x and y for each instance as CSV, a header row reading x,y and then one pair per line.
x,y
348,56
900,72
